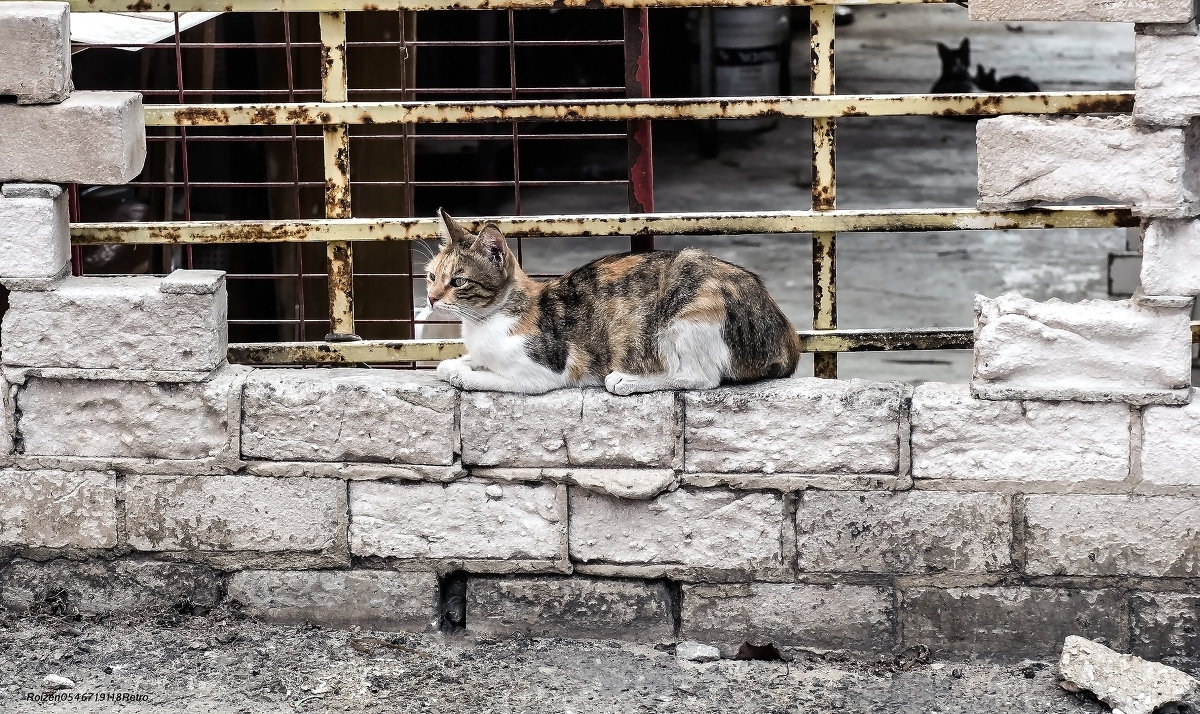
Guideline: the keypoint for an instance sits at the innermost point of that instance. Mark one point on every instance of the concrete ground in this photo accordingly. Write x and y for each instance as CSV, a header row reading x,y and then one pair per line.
x,y
895,279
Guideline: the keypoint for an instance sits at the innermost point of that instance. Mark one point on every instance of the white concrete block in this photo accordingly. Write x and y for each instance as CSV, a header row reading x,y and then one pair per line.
x,y
92,137
57,509
35,51
568,427
35,232
706,529
1164,91
143,420
348,415
373,599
956,436
1092,351
1171,257
235,513
1128,684
124,324
1146,11
799,425
1025,160
1171,445
462,520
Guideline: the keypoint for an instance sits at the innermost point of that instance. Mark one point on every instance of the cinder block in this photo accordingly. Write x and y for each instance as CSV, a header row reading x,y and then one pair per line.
x,y
956,436
142,420
101,587
1131,351
1155,536
463,520
1009,623
1166,626
818,617
235,513
903,532
801,425
1025,160
1146,11
135,326
92,137
578,607
58,509
1171,445
706,529
35,51
348,415
568,427
1171,257
35,234
1164,94
372,599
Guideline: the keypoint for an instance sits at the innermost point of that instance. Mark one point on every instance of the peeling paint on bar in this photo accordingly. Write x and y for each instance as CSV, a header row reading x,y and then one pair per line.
x,y
342,5
605,225
333,113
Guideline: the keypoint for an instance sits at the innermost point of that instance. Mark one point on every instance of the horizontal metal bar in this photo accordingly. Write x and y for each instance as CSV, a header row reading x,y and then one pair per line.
x,y
610,225
344,6
849,105
391,351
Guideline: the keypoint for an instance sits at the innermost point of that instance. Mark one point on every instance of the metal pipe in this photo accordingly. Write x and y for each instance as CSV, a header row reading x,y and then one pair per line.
x,y
339,254
640,145
824,243
343,6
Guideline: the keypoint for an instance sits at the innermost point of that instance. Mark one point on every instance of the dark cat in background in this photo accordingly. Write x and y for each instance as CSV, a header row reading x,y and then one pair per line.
x,y
956,77
1013,83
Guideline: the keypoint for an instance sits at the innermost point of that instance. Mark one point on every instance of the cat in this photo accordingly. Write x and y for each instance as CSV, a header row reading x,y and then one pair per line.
x,y
633,322
956,70
1010,83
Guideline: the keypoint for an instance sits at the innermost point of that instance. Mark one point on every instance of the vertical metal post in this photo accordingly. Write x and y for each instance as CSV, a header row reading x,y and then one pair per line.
x,y
640,152
334,81
824,245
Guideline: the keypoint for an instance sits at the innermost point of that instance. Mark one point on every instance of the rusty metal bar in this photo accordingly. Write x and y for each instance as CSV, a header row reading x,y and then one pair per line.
x,y
824,243
608,225
344,6
640,145
339,254
864,105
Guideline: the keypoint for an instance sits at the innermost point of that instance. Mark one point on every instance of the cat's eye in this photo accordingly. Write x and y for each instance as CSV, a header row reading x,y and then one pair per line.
x,y
458,282
430,277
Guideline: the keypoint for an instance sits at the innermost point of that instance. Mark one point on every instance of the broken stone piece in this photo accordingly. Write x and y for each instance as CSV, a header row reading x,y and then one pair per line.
x,y
1124,682
697,652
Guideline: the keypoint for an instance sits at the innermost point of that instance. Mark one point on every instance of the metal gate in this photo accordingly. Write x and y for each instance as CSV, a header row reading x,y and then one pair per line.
x,y
332,117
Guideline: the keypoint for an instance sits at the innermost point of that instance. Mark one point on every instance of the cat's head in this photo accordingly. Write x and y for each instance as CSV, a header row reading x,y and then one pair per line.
x,y
956,62
472,272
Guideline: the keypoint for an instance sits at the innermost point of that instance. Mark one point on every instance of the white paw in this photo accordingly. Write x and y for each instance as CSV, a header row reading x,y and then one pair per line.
x,y
621,383
453,370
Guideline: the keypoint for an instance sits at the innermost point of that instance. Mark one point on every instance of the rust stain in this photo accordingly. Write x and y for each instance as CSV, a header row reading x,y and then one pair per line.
x,y
201,115
263,115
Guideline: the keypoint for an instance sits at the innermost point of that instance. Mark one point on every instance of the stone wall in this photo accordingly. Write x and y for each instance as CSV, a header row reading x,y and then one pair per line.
x,y
1057,494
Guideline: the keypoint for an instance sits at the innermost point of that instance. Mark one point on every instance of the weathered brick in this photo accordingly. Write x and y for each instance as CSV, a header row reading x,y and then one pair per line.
x,y
709,529
956,436
35,235
348,415
1008,622
903,532
1163,66
92,137
462,520
235,513
625,483
1093,350
1171,257
100,587
125,324
820,617
35,51
372,599
1166,625
1165,11
1112,535
1171,445
103,418
570,607
800,425
57,509
568,427
1026,159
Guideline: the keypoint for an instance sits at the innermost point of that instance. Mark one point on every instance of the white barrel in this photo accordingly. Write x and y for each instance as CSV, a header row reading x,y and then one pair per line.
x,y
747,56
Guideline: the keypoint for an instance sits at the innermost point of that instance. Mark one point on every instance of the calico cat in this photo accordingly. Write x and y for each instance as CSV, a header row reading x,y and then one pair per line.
x,y
956,70
1009,83
630,322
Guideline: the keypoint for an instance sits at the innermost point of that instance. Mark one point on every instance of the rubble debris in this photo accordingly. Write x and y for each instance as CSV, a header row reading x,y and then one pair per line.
x,y
1124,682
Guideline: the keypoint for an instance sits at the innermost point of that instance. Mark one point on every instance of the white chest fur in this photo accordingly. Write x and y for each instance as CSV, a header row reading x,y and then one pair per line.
x,y
492,345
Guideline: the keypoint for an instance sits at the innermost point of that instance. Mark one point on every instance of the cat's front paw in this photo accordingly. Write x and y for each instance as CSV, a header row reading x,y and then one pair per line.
x,y
453,370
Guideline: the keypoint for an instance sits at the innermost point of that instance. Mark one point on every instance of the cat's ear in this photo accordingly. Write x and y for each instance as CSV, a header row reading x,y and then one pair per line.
x,y
451,230
491,244
943,51
965,47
